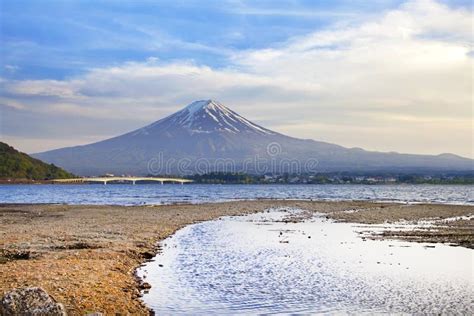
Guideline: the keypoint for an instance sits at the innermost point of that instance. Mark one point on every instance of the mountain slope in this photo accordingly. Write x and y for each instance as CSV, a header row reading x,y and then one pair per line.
x,y
206,136
17,165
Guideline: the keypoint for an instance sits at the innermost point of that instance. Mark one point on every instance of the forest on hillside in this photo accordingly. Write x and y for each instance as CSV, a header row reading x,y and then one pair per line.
x,y
18,165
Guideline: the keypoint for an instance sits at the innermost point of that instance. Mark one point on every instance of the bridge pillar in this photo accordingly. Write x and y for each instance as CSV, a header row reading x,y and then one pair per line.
x,y
105,182
161,182
133,181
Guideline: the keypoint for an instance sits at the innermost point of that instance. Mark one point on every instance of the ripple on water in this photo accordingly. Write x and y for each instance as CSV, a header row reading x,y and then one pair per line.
x,y
125,194
237,265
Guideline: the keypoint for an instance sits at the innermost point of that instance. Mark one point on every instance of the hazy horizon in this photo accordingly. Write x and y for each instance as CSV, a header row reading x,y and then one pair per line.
x,y
386,76
165,116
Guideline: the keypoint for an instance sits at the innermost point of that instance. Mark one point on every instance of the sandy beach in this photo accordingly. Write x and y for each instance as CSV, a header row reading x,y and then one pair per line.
x,y
86,256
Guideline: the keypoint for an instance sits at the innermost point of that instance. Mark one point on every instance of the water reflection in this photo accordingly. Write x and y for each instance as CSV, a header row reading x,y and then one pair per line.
x,y
253,264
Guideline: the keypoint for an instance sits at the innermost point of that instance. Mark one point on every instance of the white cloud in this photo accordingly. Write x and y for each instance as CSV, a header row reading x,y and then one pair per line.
x,y
62,89
12,104
11,68
403,78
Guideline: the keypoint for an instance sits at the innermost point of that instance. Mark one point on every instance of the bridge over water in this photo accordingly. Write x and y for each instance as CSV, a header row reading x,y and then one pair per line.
x,y
133,180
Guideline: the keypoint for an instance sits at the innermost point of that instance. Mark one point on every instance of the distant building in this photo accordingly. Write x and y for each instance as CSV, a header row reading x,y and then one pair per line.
x,y
294,180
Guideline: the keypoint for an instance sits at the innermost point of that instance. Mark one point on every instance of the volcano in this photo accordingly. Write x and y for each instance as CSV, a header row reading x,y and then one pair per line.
x,y
207,136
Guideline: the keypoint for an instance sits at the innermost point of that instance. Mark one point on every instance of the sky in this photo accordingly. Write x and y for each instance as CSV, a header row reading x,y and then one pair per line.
x,y
383,75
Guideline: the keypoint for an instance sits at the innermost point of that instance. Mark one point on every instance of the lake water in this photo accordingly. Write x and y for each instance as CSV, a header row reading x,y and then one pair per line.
x,y
123,194
257,265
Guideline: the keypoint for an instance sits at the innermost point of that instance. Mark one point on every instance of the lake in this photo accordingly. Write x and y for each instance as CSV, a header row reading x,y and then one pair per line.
x,y
125,194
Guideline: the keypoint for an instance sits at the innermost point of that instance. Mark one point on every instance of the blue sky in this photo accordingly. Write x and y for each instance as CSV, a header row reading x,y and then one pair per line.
x,y
56,39
66,43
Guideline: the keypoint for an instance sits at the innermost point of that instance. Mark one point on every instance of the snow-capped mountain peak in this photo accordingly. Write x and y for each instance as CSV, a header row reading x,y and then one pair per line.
x,y
209,116
202,105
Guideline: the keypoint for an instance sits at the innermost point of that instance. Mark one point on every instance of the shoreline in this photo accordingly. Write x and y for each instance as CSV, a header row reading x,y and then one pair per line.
x,y
86,256
258,199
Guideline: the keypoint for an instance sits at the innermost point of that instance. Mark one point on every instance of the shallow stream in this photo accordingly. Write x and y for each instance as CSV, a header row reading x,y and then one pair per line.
x,y
260,264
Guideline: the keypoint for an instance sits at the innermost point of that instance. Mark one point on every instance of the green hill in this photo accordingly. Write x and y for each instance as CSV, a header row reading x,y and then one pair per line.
x,y
18,165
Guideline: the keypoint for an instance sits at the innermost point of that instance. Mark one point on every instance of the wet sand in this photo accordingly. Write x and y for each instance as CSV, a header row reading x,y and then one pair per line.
x,y
86,256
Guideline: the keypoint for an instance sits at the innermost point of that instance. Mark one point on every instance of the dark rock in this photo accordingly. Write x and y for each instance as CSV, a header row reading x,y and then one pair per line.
x,y
15,254
77,246
147,255
145,286
33,301
81,245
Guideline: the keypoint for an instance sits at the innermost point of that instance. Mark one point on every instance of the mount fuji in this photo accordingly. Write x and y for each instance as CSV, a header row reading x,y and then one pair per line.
x,y
208,136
